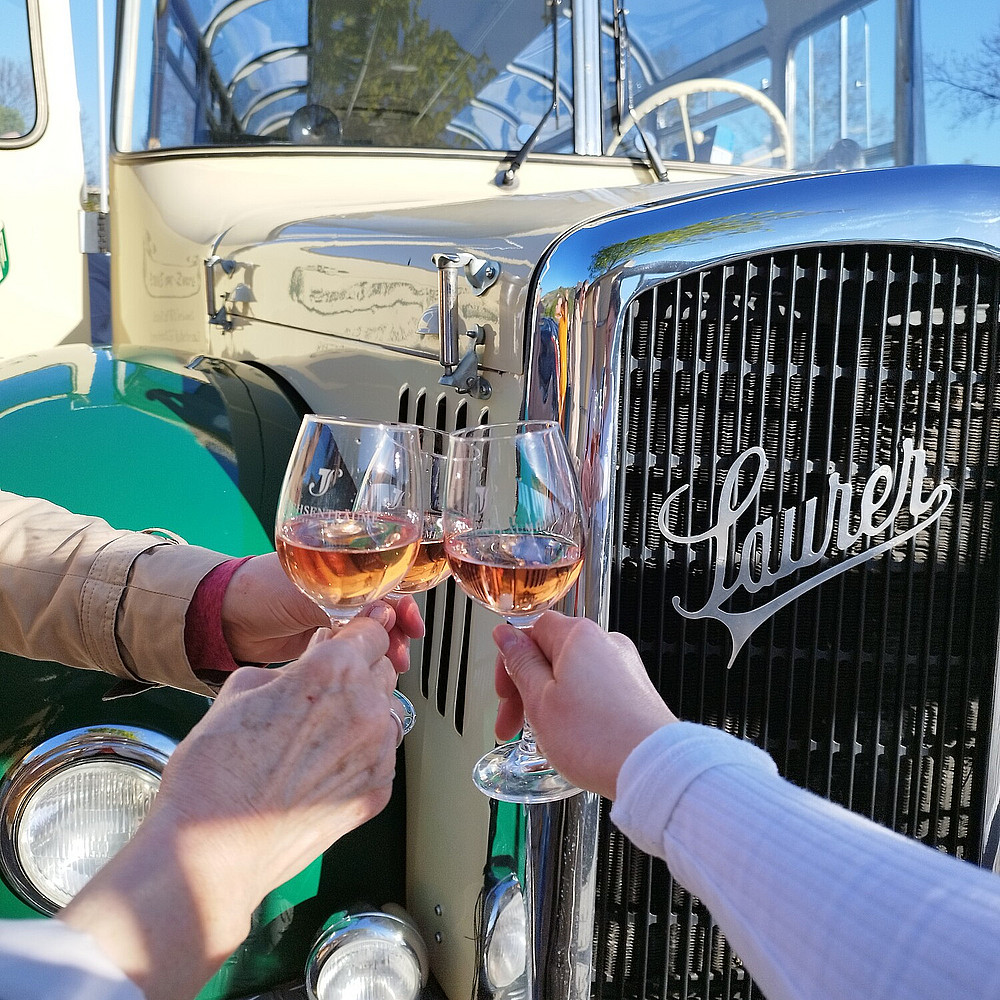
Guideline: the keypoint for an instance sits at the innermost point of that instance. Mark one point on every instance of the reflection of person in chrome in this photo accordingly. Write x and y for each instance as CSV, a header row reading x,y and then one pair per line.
x,y
548,366
817,901
562,323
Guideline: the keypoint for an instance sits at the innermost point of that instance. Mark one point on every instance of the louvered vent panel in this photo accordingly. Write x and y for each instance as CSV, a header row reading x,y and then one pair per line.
x,y
447,611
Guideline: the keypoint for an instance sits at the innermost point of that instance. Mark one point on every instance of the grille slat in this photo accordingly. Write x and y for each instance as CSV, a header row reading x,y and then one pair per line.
x,y
871,688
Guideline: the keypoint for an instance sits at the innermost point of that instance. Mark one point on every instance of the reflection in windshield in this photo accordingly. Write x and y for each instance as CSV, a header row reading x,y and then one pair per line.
x,y
840,78
401,73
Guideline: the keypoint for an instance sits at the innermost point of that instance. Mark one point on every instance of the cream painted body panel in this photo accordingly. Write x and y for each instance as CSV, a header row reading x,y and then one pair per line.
x,y
44,299
171,211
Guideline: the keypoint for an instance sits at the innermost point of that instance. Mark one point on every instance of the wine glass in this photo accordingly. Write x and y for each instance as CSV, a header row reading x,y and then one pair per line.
x,y
350,514
430,567
513,535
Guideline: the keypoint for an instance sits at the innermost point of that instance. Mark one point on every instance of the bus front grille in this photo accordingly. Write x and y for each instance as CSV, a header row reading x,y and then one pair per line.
x,y
778,385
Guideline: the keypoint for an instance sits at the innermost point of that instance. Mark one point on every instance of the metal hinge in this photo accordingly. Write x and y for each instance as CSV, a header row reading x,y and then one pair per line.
x,y
95,232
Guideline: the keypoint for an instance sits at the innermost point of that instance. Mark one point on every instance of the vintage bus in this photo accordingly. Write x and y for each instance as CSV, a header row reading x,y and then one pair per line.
x,y
726,240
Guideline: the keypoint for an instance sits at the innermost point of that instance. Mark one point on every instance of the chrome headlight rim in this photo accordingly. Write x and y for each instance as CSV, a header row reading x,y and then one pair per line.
x,y
135,746
503,898
391,924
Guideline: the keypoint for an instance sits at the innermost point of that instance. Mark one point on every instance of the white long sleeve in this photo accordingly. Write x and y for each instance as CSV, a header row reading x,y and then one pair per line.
x,y
46,960
818,902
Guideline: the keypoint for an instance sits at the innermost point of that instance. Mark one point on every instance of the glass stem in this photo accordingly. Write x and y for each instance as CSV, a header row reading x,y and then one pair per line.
x,y
528,745
529,755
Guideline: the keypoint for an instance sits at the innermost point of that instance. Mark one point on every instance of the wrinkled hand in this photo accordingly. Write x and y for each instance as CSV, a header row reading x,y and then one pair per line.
x,y
283,764
267,619
585,691
287,761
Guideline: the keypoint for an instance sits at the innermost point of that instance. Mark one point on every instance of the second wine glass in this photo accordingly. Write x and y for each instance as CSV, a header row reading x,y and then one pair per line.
x,y
514,537
431,566
350,515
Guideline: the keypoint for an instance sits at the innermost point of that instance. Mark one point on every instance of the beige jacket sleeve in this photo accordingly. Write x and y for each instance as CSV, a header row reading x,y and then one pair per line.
x,y
75,590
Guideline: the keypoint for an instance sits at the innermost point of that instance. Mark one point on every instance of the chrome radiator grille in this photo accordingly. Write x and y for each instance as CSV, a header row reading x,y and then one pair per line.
x,y
869,368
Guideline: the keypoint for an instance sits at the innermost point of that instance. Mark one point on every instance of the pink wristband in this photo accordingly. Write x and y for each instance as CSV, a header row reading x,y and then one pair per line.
x,y
206,646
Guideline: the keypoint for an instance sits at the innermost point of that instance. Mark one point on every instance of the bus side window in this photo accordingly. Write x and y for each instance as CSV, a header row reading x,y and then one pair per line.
x,y
18,106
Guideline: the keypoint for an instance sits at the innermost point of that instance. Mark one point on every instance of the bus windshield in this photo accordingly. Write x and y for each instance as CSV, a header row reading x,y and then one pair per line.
x,y
772,83
391,74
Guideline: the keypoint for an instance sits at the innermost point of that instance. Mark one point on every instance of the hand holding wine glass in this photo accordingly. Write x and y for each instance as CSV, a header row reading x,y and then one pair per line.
x,y
350,515
513,530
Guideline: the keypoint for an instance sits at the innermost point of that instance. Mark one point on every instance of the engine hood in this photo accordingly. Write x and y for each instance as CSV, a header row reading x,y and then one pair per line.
x,y
370,277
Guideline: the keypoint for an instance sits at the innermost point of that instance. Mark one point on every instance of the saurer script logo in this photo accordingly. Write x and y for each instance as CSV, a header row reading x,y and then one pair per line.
x,y
852,515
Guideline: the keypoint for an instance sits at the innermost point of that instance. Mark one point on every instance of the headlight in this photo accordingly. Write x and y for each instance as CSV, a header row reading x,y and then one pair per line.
x,y
71,804
372,955
505,936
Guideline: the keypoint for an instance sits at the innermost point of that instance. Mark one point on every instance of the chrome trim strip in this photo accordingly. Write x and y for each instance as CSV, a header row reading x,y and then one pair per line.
x,y
587,119
559,896
616,258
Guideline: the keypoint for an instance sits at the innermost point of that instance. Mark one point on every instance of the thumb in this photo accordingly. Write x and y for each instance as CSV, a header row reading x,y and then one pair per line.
x,y
526,665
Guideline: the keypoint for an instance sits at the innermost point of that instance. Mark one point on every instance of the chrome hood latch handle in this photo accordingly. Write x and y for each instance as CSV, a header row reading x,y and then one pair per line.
x,y
462,374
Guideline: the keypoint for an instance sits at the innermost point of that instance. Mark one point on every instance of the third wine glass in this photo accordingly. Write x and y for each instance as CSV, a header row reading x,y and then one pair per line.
x,y
513,529
430,567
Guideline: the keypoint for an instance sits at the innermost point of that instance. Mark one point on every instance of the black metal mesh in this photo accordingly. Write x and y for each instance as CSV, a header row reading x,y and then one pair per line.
x,y
868,687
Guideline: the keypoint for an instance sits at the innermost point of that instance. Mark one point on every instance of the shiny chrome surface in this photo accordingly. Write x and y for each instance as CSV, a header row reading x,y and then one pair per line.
x,y
140,748
561,848
597,270
395,928
620,256
503,895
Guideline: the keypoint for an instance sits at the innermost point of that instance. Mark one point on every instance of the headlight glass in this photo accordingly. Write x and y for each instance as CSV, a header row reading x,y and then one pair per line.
x,y
368,955
369,970
76,820
68,806
506,934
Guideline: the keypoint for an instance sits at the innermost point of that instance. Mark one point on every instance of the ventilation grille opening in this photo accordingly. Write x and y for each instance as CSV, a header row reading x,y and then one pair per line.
x,y
447,611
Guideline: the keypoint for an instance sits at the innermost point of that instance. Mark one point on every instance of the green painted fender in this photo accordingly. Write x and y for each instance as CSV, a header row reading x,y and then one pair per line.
x,y
200,451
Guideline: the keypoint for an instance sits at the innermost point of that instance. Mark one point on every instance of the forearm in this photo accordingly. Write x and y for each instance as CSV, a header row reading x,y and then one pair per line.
x,y
168,923
75,590
818,902
59,571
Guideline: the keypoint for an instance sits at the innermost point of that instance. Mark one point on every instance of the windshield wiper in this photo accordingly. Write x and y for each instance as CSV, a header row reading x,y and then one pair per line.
x,y
507,177
623,94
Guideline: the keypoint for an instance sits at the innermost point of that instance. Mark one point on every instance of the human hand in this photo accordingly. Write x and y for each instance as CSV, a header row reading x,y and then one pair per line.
x,y
267,619
314,745
284,763
585,691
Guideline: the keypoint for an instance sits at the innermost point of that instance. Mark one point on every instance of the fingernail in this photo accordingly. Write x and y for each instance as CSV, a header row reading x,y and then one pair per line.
x,y
505,636
379,613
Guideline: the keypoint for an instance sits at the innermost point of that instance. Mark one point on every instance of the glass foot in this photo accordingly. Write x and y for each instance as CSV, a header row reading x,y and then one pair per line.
x,y
510,774
405,710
